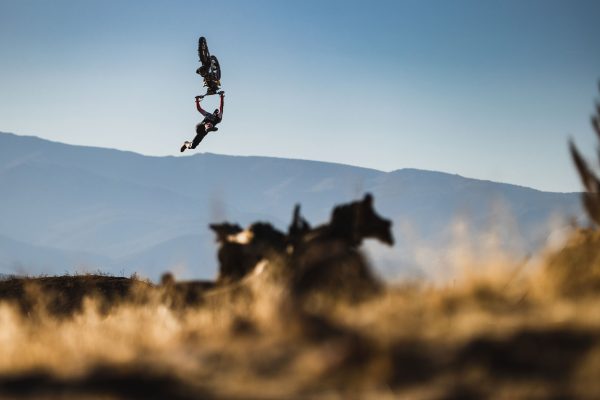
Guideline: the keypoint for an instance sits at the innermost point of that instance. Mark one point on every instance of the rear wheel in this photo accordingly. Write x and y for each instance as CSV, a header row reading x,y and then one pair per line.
x,y
203,51
215,68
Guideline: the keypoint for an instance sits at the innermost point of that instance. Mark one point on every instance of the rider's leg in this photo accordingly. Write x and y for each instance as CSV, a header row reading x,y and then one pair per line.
x,y
200,133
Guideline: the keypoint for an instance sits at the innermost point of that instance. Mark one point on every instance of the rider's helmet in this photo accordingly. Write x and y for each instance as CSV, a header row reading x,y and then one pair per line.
x,y
216,112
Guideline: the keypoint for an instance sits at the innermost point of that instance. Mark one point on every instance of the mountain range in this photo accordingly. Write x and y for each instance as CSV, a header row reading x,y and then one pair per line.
x,y
67,209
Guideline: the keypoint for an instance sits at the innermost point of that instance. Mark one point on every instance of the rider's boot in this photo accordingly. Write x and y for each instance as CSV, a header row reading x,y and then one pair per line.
x,y
186,145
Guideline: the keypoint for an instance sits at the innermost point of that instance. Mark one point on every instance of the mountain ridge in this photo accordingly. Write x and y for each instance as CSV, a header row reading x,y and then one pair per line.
x,y
123,204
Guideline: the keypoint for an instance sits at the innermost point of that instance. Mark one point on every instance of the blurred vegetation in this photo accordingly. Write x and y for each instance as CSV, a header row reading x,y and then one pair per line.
x,y
511,331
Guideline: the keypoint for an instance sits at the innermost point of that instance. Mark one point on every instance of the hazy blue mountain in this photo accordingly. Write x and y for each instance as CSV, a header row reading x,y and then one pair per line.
x,y
18,258
64,206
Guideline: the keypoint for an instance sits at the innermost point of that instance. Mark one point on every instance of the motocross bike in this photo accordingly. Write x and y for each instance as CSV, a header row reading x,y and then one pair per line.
x,y
210,69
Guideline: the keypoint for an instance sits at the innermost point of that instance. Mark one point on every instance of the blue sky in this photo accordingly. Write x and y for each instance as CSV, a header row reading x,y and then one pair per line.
x,y
485,89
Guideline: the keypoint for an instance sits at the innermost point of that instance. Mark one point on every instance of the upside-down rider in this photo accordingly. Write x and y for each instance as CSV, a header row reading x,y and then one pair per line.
x,y
208,124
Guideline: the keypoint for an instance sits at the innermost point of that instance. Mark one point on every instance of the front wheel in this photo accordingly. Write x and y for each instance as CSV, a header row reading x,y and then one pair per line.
x,y
203,51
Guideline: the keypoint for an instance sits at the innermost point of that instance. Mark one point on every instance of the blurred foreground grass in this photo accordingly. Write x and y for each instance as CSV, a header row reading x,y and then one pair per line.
x,y
504,330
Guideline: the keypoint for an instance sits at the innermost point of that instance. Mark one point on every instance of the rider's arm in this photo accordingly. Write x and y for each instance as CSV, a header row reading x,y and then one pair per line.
x,y
221,106
199,107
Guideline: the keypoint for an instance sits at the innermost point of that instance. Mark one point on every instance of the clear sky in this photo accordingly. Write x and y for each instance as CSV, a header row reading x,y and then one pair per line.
x,y
485,89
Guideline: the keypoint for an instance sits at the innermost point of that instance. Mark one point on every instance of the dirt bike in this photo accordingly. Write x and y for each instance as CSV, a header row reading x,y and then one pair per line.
x,y
210,69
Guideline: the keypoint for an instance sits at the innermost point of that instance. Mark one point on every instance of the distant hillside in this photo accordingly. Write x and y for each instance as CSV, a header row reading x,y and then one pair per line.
x,y
23,259
131,212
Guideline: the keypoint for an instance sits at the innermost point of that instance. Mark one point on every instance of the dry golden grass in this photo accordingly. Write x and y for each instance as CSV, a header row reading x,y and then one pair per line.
x,y
502,330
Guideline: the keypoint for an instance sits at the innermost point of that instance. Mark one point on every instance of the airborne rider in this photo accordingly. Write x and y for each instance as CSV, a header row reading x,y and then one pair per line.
x,y
208,124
